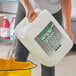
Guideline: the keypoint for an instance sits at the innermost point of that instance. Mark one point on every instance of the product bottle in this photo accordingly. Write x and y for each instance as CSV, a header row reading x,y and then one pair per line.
x,y
12,28
0,32
5,29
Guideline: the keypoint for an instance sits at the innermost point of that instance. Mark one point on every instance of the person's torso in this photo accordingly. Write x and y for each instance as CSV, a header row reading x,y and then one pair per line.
x,y
52,6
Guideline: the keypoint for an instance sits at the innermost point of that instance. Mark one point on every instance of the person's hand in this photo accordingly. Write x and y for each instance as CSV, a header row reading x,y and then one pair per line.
x,y
30,14
69,34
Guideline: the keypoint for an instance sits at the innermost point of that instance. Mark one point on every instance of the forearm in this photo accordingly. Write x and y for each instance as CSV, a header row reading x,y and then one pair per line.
x,y
30,13
25,3
66,12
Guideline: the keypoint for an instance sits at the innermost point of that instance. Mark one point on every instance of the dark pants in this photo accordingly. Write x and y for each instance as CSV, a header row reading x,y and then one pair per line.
x,y
21,53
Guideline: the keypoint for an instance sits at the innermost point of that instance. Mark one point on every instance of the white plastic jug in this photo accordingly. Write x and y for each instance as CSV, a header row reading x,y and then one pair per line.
x,y
44,38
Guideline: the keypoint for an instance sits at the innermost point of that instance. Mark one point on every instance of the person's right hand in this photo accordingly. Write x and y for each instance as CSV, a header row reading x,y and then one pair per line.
x,y
30,13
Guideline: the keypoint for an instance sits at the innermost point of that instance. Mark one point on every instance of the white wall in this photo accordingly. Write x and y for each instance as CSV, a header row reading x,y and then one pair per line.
x,y
73,15
8,7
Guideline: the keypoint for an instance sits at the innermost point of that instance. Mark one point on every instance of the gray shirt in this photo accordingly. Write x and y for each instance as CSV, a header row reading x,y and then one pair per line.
x,y
52,6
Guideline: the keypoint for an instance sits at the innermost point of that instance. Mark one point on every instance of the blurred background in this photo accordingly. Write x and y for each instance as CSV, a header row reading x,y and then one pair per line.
x,y
67,67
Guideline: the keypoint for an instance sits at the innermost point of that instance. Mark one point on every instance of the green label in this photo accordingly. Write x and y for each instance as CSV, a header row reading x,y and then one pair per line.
x,y
49,39
46,29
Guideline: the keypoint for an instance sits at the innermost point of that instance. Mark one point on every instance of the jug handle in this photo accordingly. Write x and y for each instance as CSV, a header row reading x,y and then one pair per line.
x,y
37,12
35,65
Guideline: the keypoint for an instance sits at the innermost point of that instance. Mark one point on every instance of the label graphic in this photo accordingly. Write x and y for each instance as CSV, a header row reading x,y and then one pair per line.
x,y
49,39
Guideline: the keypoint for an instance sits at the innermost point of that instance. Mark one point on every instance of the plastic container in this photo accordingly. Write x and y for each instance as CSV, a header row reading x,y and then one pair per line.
x,y
12,28
14,68
44,38
1,19
0,32
5,32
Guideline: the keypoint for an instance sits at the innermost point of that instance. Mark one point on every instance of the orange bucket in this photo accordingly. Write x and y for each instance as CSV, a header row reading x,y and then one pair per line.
x,y
15,68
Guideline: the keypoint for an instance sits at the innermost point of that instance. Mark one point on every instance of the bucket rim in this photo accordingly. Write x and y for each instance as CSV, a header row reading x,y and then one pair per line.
x,y
35,65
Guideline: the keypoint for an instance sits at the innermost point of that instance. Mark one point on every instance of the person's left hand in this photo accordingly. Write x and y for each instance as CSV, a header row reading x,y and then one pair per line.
x,y
69,34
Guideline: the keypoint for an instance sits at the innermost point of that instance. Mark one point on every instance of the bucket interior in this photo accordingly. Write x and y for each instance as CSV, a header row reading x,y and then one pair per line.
x,y
6,65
